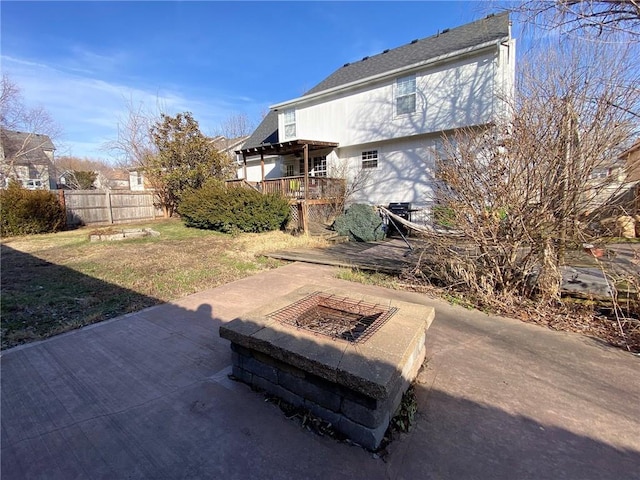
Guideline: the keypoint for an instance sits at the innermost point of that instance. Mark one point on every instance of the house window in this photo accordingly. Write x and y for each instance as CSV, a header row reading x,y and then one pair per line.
x,y
406,95
370,159
602,173
290,123
138,178
317,167
289,171
33,171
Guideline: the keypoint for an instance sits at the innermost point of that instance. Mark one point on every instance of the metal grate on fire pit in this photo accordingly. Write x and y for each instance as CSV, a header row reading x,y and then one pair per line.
x,y
336,317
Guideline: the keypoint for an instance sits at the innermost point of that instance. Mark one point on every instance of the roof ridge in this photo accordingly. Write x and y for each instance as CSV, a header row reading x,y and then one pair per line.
x,y
448,30
449,40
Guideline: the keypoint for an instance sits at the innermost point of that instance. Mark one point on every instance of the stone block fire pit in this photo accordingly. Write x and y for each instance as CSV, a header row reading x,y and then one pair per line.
x,y
348,360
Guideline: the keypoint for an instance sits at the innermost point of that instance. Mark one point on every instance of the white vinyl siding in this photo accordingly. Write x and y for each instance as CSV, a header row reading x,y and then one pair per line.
x,y
455,95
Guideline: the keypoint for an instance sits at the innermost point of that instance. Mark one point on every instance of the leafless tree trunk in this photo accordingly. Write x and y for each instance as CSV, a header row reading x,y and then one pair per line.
x,y
355,181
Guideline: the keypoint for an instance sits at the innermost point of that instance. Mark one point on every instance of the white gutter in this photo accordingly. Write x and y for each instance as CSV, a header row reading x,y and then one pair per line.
x,y
390,73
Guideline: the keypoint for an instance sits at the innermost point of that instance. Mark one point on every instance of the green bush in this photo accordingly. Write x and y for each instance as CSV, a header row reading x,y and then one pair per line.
x,y
228,210
360,223
25,212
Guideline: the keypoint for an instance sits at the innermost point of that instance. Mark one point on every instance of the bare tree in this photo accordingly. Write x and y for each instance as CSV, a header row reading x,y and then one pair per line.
x,y
356,180
523,190
16,115
133,145
596,18
235,126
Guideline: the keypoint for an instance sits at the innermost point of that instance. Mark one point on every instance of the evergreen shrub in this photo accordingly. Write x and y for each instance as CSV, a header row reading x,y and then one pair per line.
x,y
229,210
26,212
361,223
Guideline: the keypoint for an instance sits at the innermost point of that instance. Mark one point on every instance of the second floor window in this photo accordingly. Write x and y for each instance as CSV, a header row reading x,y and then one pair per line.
x,y
290,123
406,95
370,159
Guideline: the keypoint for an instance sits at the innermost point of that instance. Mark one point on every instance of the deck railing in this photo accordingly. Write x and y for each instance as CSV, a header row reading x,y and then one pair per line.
x,y
293,187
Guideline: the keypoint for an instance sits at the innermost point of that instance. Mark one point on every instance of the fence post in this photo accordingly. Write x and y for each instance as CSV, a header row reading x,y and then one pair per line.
x,y
109,212
153,207
63,204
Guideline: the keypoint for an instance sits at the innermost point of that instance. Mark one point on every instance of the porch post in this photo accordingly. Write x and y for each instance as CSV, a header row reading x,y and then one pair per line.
x,y
244,165
262,165
305,205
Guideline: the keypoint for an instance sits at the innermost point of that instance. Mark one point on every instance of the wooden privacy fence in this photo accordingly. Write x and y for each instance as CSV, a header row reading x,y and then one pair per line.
x,y
85,207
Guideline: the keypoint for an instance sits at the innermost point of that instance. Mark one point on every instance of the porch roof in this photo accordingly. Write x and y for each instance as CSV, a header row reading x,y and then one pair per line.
x,y
285,148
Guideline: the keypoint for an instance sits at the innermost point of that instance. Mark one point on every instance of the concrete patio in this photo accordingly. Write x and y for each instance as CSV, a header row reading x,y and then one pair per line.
x,y
147,395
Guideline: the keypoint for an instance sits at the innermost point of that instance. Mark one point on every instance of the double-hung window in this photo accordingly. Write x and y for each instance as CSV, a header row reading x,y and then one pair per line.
x,y
289,123
406,95
370,159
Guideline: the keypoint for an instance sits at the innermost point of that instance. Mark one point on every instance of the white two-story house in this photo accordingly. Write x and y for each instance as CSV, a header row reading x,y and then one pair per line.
x,y
378,120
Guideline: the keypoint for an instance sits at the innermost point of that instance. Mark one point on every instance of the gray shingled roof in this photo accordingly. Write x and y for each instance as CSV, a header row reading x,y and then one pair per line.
x,y
488,29
267,131
491,28
25,148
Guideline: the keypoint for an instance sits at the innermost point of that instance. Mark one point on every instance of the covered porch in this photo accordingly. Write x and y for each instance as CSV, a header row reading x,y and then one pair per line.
x,y
310,185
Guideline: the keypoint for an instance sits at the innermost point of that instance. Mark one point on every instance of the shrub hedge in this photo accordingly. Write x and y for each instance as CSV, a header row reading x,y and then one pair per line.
x,y
25,212
360,223
229,210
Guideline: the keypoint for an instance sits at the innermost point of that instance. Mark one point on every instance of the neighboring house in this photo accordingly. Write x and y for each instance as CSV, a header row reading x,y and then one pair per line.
x,y
616,184
27,158
111,179
383,116
66,180
228,146
631,161
137,181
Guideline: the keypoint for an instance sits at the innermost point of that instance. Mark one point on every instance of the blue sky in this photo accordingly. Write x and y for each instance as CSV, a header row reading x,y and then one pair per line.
x,y
83,61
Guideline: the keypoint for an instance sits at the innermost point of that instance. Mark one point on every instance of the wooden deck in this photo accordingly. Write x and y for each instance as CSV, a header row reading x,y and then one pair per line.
x,y
294,188
388,256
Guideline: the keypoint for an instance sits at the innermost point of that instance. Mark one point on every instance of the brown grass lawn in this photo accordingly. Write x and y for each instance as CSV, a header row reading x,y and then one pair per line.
x,y
56,282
